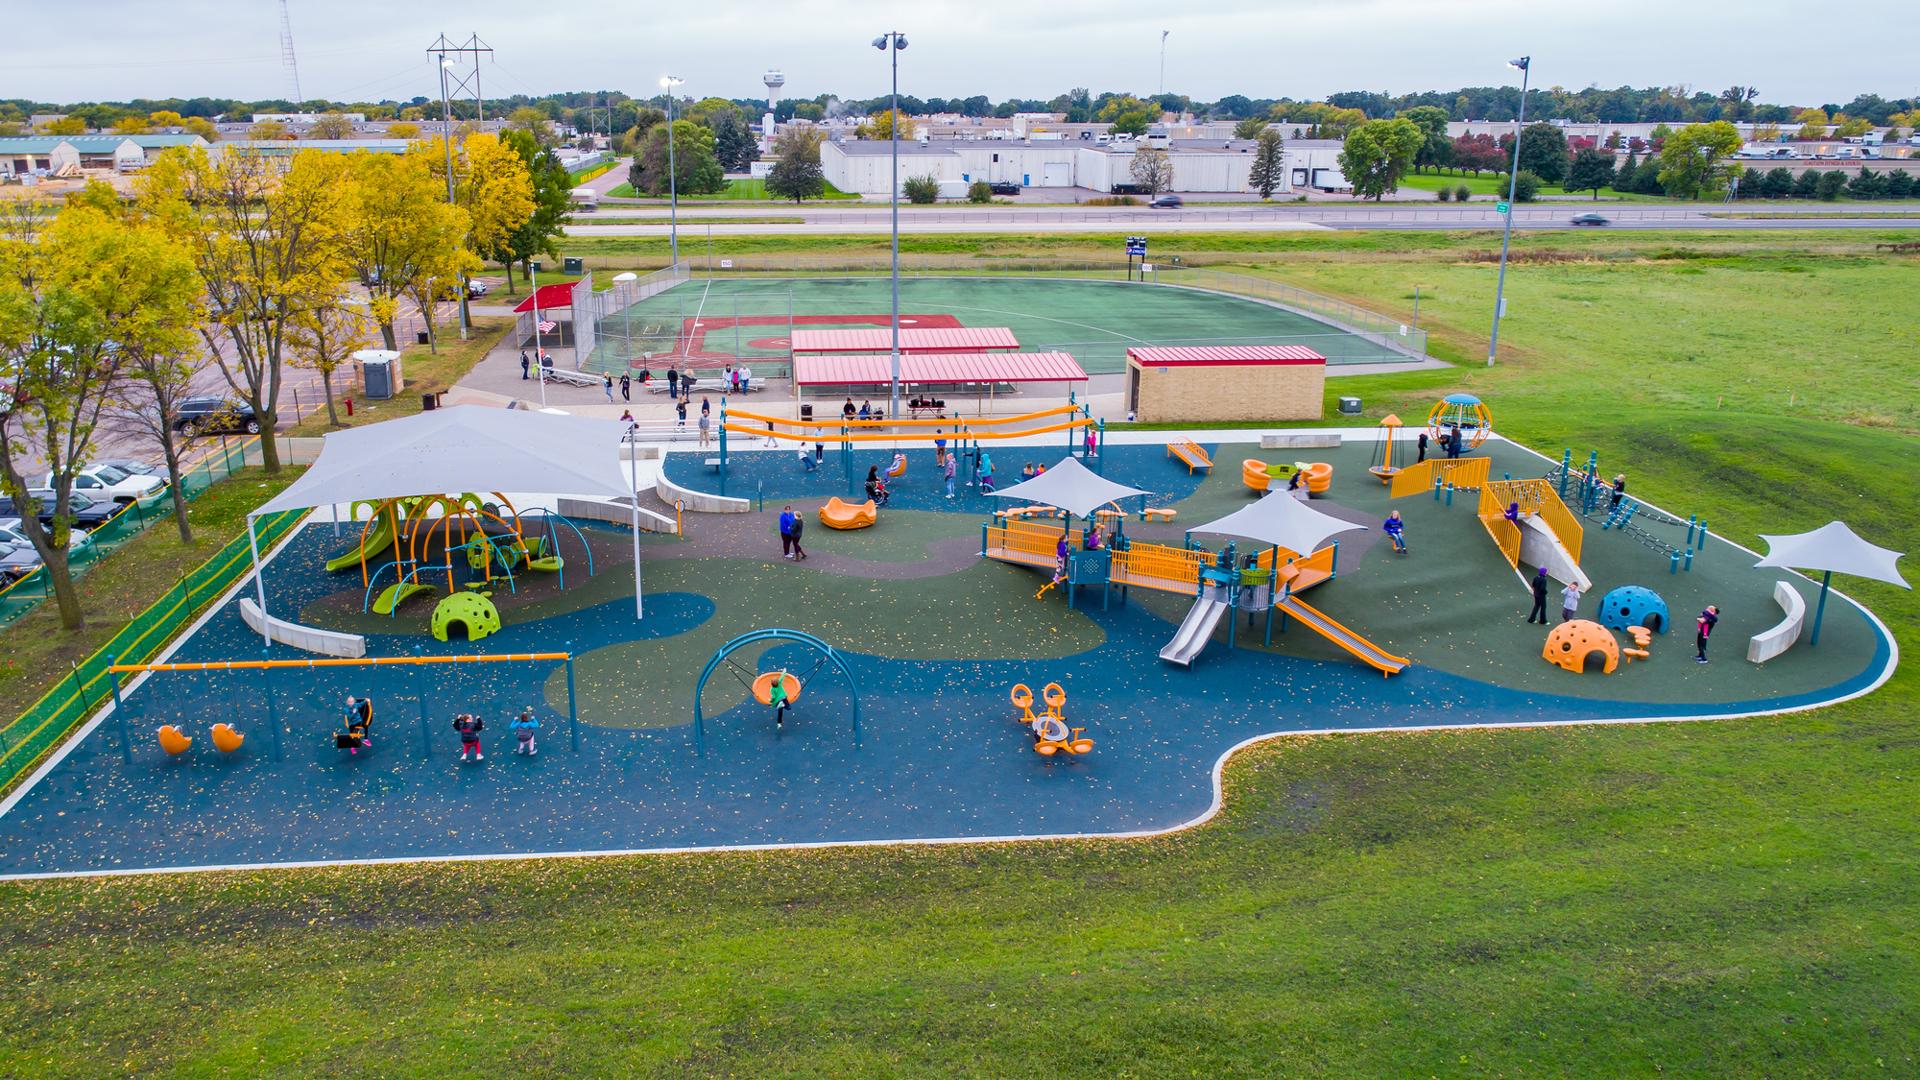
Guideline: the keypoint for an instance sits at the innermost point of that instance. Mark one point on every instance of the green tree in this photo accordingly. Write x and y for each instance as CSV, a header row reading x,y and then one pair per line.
x,y
1807,184
401,230
552,206
1694,160
1151,169
1866,184
1376,155
1591,170
1251,127
1132,122
980,192
1830,185
796,172
696,170
1813,125
921,190
733,142
1120,104
1851,127
79,299
67,125
1269,164
1899,184
1543,152
1778,184
201,126
1437,150
268,131
331,125
879,128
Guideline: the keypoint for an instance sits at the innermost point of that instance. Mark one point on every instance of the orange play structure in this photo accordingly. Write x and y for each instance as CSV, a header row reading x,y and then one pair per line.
x,y
1050,733
1253,473
763,687
1191,454
953,429
1317,476
1383,466
173,741
1572,643
840,514
226,739
1465,474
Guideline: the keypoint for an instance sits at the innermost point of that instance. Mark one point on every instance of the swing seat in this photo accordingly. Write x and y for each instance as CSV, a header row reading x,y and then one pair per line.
x,y
898,469
173,741
763,687
1056,698
226,739
548,564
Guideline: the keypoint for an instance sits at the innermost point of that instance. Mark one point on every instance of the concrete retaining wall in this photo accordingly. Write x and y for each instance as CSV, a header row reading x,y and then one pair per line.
x,y
310,639
1771,643
702,501
615,512
1305,440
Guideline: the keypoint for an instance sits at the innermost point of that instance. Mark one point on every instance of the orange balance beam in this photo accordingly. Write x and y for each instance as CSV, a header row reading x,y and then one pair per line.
x,y
245,665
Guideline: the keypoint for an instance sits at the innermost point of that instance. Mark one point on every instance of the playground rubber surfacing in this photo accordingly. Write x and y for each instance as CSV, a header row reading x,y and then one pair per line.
x,y
1096,321
934,651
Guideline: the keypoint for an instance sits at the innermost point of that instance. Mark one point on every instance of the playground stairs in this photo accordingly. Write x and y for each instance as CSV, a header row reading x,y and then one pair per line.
x,y
1557,533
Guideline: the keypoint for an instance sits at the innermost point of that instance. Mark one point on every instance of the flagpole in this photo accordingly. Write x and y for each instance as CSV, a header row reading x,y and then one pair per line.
x,y
539,354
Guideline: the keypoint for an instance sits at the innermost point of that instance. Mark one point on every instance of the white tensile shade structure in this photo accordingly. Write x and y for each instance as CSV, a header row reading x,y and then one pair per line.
x,y
1282,521
1832,549
1069,486
464,448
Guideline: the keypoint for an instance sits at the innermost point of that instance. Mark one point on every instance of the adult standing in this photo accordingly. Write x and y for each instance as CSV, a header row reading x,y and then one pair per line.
x,y
787,519
1703,629
673,381
1423,449
1454,445
1619,491
606,383
525,365
1539,612
626,387
799,526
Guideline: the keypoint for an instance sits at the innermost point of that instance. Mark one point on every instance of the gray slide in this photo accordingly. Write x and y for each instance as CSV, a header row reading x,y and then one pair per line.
x,y
1194,632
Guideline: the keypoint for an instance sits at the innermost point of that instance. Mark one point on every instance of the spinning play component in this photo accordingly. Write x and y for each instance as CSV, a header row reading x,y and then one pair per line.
x,y
1465,412
1383,466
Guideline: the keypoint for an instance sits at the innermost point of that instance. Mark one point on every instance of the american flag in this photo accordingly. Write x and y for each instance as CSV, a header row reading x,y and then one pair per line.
x,y
548,326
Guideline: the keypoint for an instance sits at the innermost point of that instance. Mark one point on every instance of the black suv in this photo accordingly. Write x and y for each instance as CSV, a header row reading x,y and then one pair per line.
x,y
1005,187
214,416
87,513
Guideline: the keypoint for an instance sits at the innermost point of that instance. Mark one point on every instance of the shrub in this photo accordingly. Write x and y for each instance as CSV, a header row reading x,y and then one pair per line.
x,y
1830,185
921,190
1866,184
1118,200
980,192
1462,193
1807,184
1444,194
1778,184
1526,187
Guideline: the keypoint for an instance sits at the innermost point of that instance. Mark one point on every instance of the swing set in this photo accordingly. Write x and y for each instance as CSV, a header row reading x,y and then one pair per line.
x,y
760,684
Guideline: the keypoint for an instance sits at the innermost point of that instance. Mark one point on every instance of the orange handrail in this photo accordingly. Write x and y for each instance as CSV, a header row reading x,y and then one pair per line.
x,y
365,661
959,431
948,422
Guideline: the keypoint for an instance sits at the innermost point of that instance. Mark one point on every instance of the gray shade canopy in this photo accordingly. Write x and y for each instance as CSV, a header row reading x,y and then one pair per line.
x,y
464,448
1834,548
1069,486
1281,520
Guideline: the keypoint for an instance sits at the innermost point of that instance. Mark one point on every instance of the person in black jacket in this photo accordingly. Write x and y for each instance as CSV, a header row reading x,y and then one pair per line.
x,y
469,726
1539,613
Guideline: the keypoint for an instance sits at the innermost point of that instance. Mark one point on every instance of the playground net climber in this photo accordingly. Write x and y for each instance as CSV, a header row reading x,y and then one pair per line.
x,y
1606,501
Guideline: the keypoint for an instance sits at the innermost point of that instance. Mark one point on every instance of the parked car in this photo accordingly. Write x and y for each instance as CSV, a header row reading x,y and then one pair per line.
x,y
1589,218
214,416
1168,202
137,467
1005,187
90,513
17,561
102,481
10,533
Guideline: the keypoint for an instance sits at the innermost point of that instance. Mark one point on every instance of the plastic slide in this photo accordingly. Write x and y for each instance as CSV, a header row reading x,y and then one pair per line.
x,y
838,514
1539,546
1363,650
394,595
1194,633
1191,454
378,540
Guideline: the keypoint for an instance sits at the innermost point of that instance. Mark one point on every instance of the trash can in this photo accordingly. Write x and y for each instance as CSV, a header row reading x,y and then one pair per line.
x,y
538,266
1350,406
378,374
423,338
428,402
806,412
574,264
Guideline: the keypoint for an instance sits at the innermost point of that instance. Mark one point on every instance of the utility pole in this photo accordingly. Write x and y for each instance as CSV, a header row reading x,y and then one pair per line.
x,y
450,83
1163,62
1525,64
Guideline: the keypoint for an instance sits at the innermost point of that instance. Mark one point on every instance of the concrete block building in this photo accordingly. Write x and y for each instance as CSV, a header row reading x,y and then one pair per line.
x,y
1225,382
1198,165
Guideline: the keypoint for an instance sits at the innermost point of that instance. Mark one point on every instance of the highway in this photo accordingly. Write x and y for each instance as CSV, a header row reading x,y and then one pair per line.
x,y
859,220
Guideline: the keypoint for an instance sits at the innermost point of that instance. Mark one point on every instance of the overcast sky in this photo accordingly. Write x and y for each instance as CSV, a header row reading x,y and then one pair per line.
x,y
366,50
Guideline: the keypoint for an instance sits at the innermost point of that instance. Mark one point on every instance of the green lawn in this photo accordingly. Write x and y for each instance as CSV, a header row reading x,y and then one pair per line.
x,y
739,189
1732,898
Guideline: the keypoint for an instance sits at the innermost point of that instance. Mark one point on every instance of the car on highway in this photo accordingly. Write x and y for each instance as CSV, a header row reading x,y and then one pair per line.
x,y
103,481
1589,218
214,416
1167,202
89,513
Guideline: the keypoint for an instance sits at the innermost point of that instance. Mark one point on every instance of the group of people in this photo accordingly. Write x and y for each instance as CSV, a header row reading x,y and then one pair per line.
x,y
791,526
866,411
358,735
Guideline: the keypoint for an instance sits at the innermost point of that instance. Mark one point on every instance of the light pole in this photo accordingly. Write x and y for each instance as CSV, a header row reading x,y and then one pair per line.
x,y
446,136
667,83
1513,181
893,41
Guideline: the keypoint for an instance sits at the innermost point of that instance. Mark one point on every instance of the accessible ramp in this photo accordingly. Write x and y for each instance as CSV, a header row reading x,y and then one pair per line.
x,y
1195,631
1360,648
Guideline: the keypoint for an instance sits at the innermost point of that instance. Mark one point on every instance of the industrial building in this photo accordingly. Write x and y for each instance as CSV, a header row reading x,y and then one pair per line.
x,y
1198,165
51,154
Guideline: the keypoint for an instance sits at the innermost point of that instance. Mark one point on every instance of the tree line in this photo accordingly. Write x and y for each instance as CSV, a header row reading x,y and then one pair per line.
x,y
241,263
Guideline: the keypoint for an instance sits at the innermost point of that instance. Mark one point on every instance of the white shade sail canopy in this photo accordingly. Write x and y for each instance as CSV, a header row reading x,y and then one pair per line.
x,y
1069,486
463,448
1834,547
1281,520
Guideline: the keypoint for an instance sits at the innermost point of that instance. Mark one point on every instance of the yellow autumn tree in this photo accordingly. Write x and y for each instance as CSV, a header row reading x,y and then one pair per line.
x,y
401,231
267,236
496,191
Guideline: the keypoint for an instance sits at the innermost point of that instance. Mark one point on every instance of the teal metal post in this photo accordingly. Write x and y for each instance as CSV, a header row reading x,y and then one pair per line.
x,y
723,446
1334,570
573,715
426,736
1566,470
273,721
120,716
1820,610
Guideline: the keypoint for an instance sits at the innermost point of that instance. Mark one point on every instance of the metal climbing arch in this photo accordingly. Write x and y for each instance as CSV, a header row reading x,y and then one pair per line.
x,y
828,655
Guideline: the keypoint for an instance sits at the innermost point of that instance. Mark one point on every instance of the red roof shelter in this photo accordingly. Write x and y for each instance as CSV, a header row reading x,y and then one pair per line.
x,y
1223,355
550,296
947,339
858,369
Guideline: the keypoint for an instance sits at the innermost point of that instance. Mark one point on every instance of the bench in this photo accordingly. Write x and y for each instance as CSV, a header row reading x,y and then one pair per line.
x,y
917,406
1156,514
713,463
568,375
1772,642
308,638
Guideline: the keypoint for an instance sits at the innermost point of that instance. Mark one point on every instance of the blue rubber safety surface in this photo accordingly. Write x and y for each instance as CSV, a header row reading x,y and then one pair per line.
x,y
940,754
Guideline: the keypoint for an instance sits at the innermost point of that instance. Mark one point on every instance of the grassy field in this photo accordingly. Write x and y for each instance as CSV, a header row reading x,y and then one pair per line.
x,y
1734,898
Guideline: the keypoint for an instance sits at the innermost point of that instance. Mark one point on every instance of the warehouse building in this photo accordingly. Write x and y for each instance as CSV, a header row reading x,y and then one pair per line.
x,y
1198,166
49,154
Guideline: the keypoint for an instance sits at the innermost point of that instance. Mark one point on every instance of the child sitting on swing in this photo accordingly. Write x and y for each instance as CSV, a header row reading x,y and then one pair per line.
x,y
525,727
359,726
777,697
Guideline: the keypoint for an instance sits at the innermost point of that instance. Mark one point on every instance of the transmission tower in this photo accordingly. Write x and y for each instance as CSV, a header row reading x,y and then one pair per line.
x,y
286,54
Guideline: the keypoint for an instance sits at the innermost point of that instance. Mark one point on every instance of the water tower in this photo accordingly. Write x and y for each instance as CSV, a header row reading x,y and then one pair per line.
x,y
774,80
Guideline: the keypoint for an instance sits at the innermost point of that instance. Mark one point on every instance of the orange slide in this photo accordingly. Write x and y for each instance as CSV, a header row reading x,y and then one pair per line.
x,y
839,514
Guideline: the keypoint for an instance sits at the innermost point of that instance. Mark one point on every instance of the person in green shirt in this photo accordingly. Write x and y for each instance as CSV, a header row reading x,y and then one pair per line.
x,y
777,697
